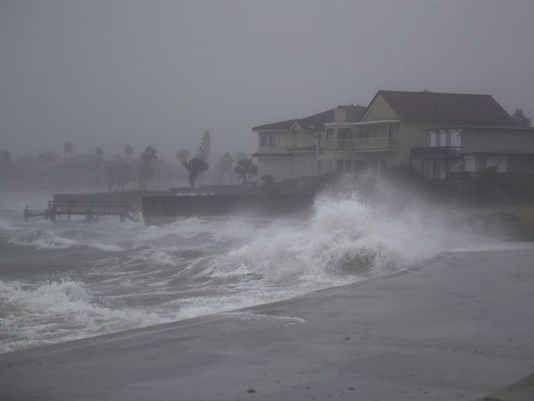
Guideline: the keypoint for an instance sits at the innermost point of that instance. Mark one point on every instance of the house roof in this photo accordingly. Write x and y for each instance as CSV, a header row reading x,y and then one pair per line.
x,y
458,108
354,113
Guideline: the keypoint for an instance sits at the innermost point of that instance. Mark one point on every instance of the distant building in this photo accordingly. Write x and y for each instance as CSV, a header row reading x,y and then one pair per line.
x,y
289,149
436,134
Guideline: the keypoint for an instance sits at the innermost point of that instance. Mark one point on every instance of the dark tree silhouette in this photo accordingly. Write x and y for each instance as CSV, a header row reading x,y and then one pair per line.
x,y
128,151
5,156
6,163
182,156
204,149
67,149
195,167
118,174
245,169
48,157
147,170
520,118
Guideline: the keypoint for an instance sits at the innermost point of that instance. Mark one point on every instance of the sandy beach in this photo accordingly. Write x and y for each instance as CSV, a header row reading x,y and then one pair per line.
x,y
457,328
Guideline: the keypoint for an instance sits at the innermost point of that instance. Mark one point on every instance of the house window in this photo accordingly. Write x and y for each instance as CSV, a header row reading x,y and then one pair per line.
x,y
263,140
470,164
432,139
348,164
329,134
271,140
340,165
456,139
443,138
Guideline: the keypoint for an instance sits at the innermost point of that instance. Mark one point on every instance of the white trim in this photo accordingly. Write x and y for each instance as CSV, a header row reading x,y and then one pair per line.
x,y
259,131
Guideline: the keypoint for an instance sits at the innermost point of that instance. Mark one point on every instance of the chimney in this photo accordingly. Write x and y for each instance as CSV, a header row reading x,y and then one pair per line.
x,y
340,115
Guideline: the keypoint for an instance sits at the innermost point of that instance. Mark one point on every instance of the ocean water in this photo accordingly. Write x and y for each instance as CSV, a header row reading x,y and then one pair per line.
x,y
71,279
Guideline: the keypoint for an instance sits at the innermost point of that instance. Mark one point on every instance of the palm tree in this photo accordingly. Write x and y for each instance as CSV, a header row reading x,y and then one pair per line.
x,y
195,167
205,147
182,156
146,172
118,174
245,169
521,119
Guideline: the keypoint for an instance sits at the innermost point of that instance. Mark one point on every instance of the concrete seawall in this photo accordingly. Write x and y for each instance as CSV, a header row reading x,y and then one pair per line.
x,y
457,328
160,208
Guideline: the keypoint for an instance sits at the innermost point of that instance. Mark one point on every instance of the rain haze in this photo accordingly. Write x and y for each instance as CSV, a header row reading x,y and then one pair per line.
x,y
266,200
160,72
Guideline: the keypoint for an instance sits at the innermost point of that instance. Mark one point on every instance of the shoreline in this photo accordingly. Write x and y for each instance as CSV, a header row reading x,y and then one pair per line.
x,y
457,328
210,316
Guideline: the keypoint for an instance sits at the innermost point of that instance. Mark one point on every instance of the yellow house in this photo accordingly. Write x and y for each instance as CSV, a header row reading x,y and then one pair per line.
x,y
435,134
397,122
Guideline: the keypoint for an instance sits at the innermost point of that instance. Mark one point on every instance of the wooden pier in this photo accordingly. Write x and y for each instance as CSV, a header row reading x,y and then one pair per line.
x,y
91,210
90,205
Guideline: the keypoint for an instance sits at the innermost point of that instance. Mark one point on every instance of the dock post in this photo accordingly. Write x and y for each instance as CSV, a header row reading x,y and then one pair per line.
x,y
53,214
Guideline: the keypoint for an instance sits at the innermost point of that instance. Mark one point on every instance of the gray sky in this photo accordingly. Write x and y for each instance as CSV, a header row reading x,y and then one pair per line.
x,y
107,72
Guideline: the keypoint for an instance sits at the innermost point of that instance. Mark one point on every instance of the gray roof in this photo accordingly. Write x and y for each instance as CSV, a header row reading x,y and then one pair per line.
x,y
457,108
316,121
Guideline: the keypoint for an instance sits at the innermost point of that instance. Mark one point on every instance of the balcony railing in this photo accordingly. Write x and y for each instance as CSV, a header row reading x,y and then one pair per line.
x,y
369,144
439,152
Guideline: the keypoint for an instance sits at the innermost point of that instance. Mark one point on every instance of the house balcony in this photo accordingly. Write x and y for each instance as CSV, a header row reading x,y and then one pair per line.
x,y
437,152
365,144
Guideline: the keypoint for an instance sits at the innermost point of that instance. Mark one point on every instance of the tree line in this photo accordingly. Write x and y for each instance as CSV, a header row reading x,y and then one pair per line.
x,y
121,171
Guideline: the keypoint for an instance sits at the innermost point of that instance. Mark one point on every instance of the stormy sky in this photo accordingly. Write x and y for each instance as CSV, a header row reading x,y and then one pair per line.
x,y
109,72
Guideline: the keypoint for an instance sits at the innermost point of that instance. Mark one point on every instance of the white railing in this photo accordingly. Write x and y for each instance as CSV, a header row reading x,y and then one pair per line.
x,y
360,144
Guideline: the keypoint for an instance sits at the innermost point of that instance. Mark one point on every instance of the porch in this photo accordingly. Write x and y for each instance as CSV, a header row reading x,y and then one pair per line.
x,y
369,136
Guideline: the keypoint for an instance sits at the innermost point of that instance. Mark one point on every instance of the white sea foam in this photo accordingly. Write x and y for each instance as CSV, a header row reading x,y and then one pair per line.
x,y
58,311
199,266
344,240
41,239
246,315
45,239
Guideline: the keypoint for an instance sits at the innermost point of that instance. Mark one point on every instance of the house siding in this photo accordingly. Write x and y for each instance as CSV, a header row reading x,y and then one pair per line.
x,y
498,141
287,167
410,135
379,109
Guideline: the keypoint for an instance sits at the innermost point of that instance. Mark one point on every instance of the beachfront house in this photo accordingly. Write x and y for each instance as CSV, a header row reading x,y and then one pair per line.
x,y
435,134
289,149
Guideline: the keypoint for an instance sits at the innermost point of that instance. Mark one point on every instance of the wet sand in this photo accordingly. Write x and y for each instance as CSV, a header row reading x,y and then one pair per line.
x,y
457,328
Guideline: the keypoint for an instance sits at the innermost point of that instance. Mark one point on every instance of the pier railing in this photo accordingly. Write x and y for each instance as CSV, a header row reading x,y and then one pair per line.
x,y
82,207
